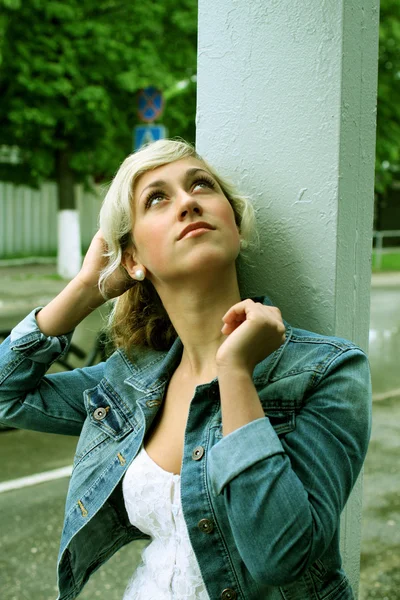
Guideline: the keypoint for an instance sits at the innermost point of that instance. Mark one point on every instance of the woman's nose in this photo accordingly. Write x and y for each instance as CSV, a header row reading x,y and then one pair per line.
x,y
188,205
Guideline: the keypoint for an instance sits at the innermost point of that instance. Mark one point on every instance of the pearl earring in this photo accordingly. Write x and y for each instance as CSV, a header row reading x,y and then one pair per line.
x,y
139,274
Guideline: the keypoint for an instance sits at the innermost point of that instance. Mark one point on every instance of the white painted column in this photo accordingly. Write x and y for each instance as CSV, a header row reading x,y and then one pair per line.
x,y
286,108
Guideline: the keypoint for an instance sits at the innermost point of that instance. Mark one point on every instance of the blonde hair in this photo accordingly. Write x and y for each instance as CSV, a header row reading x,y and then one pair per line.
x,y
138,316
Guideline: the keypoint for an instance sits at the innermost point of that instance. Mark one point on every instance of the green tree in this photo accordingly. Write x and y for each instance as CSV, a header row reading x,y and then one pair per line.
x,y
69,75
180,114
388,112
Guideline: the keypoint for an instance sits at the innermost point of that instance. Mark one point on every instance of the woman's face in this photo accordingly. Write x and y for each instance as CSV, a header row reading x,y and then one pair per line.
x,y
167,200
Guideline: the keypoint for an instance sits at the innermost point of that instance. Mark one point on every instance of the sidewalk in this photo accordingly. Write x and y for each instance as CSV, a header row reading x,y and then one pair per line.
x,y
22,288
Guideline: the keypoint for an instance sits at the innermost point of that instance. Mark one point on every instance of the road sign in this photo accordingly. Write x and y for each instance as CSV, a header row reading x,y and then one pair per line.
x,y
150,104
143,134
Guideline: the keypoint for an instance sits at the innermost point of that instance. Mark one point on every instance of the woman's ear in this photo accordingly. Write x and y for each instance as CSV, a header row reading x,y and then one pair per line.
x,y
134,269
128,261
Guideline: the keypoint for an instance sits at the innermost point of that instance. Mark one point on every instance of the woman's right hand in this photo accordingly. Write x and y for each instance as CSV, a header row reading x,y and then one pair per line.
x,y
94,262
82,295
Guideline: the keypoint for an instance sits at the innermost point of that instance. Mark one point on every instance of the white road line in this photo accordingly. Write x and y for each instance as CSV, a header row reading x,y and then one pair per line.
x,y
386,395
22,482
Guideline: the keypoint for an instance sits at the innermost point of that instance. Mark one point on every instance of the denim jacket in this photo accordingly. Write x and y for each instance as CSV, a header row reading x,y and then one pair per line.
x,y
261,504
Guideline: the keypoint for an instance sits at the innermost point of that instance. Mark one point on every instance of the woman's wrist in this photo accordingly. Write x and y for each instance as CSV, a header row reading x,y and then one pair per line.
x,y
236,370
89,291
240,403
75,302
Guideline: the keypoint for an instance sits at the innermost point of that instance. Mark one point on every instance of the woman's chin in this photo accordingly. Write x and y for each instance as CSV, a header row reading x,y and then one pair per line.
x,y
211,260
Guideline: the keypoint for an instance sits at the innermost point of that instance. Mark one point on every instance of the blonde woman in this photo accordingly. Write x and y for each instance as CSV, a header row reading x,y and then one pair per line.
x,y
225,437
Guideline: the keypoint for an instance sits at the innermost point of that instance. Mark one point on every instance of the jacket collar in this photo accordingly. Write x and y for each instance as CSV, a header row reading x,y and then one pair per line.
x,y
151,369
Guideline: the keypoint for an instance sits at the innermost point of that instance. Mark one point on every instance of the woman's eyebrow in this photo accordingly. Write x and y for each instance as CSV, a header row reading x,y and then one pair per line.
x,y
161,182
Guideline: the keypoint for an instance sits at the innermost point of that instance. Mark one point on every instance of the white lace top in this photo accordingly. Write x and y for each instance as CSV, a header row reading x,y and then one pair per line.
x,y
169,568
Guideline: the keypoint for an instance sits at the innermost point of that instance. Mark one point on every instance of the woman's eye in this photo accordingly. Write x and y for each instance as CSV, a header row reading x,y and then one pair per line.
x,y
158,196
204,182
153,199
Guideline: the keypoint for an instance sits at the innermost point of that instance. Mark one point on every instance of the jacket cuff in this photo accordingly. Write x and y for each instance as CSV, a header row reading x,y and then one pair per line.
x,y
241,449
27,339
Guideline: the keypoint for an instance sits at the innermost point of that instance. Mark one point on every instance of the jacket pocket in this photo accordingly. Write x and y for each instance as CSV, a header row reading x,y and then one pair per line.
x,y
105,411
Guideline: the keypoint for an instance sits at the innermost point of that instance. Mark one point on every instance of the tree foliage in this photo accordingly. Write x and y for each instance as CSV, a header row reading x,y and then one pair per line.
x,y
388,113
70,72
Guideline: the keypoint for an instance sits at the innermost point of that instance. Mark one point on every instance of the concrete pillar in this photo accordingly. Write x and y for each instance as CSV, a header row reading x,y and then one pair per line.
x,y
287,107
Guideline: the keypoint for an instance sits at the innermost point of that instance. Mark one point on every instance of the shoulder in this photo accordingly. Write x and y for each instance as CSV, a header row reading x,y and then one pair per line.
x,y
313,342
310,360
310,351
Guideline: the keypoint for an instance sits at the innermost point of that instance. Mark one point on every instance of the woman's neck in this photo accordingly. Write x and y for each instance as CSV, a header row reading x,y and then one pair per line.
x,y
196,315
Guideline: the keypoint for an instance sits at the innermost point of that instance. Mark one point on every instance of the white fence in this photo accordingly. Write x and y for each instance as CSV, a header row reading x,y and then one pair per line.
x,y
28,219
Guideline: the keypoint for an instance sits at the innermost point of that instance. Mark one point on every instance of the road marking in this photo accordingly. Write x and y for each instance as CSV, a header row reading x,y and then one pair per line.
x,y
386,395
22,482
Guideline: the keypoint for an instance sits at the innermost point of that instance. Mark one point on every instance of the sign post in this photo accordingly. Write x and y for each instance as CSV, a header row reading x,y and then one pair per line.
x,y
150,107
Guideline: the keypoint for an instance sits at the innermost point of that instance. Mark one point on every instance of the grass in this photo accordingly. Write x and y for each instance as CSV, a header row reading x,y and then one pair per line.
x,y
35,276
390,261
22,255
54,276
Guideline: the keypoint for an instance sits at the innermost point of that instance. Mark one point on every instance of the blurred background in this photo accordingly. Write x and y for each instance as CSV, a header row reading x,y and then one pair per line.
x,y
82,85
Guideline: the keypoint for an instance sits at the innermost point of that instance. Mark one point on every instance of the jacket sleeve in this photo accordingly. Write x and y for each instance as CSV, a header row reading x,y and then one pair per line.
x,y
30,399
288,494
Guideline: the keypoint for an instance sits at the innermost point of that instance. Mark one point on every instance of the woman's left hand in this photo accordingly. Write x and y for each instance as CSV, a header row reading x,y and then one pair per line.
x,y
254,331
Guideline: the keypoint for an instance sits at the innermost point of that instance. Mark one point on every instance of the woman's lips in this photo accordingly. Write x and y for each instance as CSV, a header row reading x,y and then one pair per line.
x,y
199,225
196,232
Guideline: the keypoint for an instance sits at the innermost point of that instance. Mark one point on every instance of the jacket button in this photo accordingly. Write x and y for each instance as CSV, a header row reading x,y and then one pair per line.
x,y
228,594
100,414
205,525
198,453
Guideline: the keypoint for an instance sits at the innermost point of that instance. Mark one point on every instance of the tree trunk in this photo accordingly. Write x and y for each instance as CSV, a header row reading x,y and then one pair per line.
x,y
65,182
69,257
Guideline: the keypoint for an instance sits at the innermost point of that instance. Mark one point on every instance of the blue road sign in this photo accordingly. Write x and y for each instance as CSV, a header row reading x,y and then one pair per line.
x,y
143,134
150,104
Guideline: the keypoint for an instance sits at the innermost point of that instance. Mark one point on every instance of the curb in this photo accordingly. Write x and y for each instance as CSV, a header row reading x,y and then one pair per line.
x,y
391,279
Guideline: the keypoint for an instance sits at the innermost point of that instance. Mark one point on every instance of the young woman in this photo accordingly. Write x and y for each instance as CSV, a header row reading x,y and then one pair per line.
x,y
228,439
